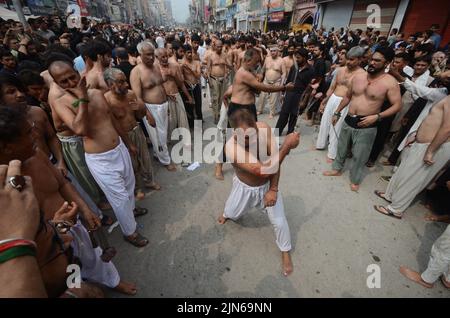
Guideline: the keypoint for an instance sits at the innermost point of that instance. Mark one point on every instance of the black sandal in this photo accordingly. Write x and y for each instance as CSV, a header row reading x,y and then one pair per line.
x,y
138,240
380,195
389,212
139,211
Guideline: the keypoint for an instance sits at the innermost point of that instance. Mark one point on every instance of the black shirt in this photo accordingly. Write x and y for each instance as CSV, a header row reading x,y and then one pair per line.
x,y
301,78
126,67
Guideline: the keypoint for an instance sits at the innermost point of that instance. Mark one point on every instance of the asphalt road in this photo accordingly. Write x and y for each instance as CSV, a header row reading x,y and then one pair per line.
x,y
336,235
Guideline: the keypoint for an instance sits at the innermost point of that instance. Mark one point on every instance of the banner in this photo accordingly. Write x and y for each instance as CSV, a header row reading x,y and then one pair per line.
x,y
275,5
42,7
276,16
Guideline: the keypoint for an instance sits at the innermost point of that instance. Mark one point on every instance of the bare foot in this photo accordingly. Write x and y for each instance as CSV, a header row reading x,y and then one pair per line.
x,y
286,261
437,218
153,186
126,288
354,187
140,195
219,173
329,160
414,276
332,173
171,167
222,219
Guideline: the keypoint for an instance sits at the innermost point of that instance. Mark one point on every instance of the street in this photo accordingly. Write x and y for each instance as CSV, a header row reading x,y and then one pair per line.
x,y
336,234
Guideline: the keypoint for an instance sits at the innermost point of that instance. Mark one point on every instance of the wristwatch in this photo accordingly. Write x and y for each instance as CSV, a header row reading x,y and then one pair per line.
x,y
379,117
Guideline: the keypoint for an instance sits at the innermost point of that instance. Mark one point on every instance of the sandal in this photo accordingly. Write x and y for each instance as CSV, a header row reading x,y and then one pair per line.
x,y
387,211
139,211
381,195
138,240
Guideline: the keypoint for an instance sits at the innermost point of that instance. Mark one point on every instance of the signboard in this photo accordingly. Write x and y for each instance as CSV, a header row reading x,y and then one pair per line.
x,y
276,16
275,5
42,7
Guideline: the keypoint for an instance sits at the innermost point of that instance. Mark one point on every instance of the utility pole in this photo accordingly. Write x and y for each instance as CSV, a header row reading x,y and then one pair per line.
x,y
267,16
19,11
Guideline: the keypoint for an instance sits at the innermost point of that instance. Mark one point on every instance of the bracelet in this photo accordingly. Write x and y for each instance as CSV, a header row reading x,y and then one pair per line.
x,y
17,251
79,101
5,244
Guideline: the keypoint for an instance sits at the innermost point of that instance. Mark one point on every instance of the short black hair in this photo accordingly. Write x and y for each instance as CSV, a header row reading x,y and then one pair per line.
x,y
122,53
187,47
404,56
30,77
424,58
426,47
302,52
12,80
176,45
96,48
11,121
5,53
195,38
387,52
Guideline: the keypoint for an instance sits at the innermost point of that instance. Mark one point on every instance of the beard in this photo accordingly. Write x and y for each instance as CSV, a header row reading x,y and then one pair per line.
x,y
373,70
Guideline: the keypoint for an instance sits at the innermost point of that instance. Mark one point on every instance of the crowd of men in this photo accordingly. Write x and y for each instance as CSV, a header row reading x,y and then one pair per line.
x,y
86,111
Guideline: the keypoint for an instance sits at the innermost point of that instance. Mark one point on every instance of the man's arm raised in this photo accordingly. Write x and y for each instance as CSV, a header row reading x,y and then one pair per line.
x,y
268,167
251,81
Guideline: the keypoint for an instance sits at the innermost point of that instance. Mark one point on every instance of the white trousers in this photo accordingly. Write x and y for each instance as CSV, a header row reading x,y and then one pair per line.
x,y
325,123
158,135
178,117
113,172
244,197
93,268
439,263
413,175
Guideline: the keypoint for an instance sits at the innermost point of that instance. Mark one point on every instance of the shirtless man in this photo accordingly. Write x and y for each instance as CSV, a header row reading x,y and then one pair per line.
x,y
243,91
87,114
366,96
253,185
147,84
338,89
173,83
55,193
239,53
127,110
100,54
231,57
216,72
192,77
428,153
289,59
274,72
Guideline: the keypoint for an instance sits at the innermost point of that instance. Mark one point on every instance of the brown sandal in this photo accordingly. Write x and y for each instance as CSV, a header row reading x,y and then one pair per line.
x,y
137,240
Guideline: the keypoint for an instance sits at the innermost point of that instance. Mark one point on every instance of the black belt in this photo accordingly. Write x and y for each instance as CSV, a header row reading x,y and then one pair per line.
x,y
353,121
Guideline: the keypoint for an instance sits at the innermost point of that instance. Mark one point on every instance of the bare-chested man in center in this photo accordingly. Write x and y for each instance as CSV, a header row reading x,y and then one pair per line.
x,y
274,72
366,95
244,88
147,83
338,88
256,160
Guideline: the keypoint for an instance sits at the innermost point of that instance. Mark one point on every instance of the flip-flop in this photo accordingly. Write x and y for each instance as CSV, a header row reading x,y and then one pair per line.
x,y
139,211
138,240
380,195
389,212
